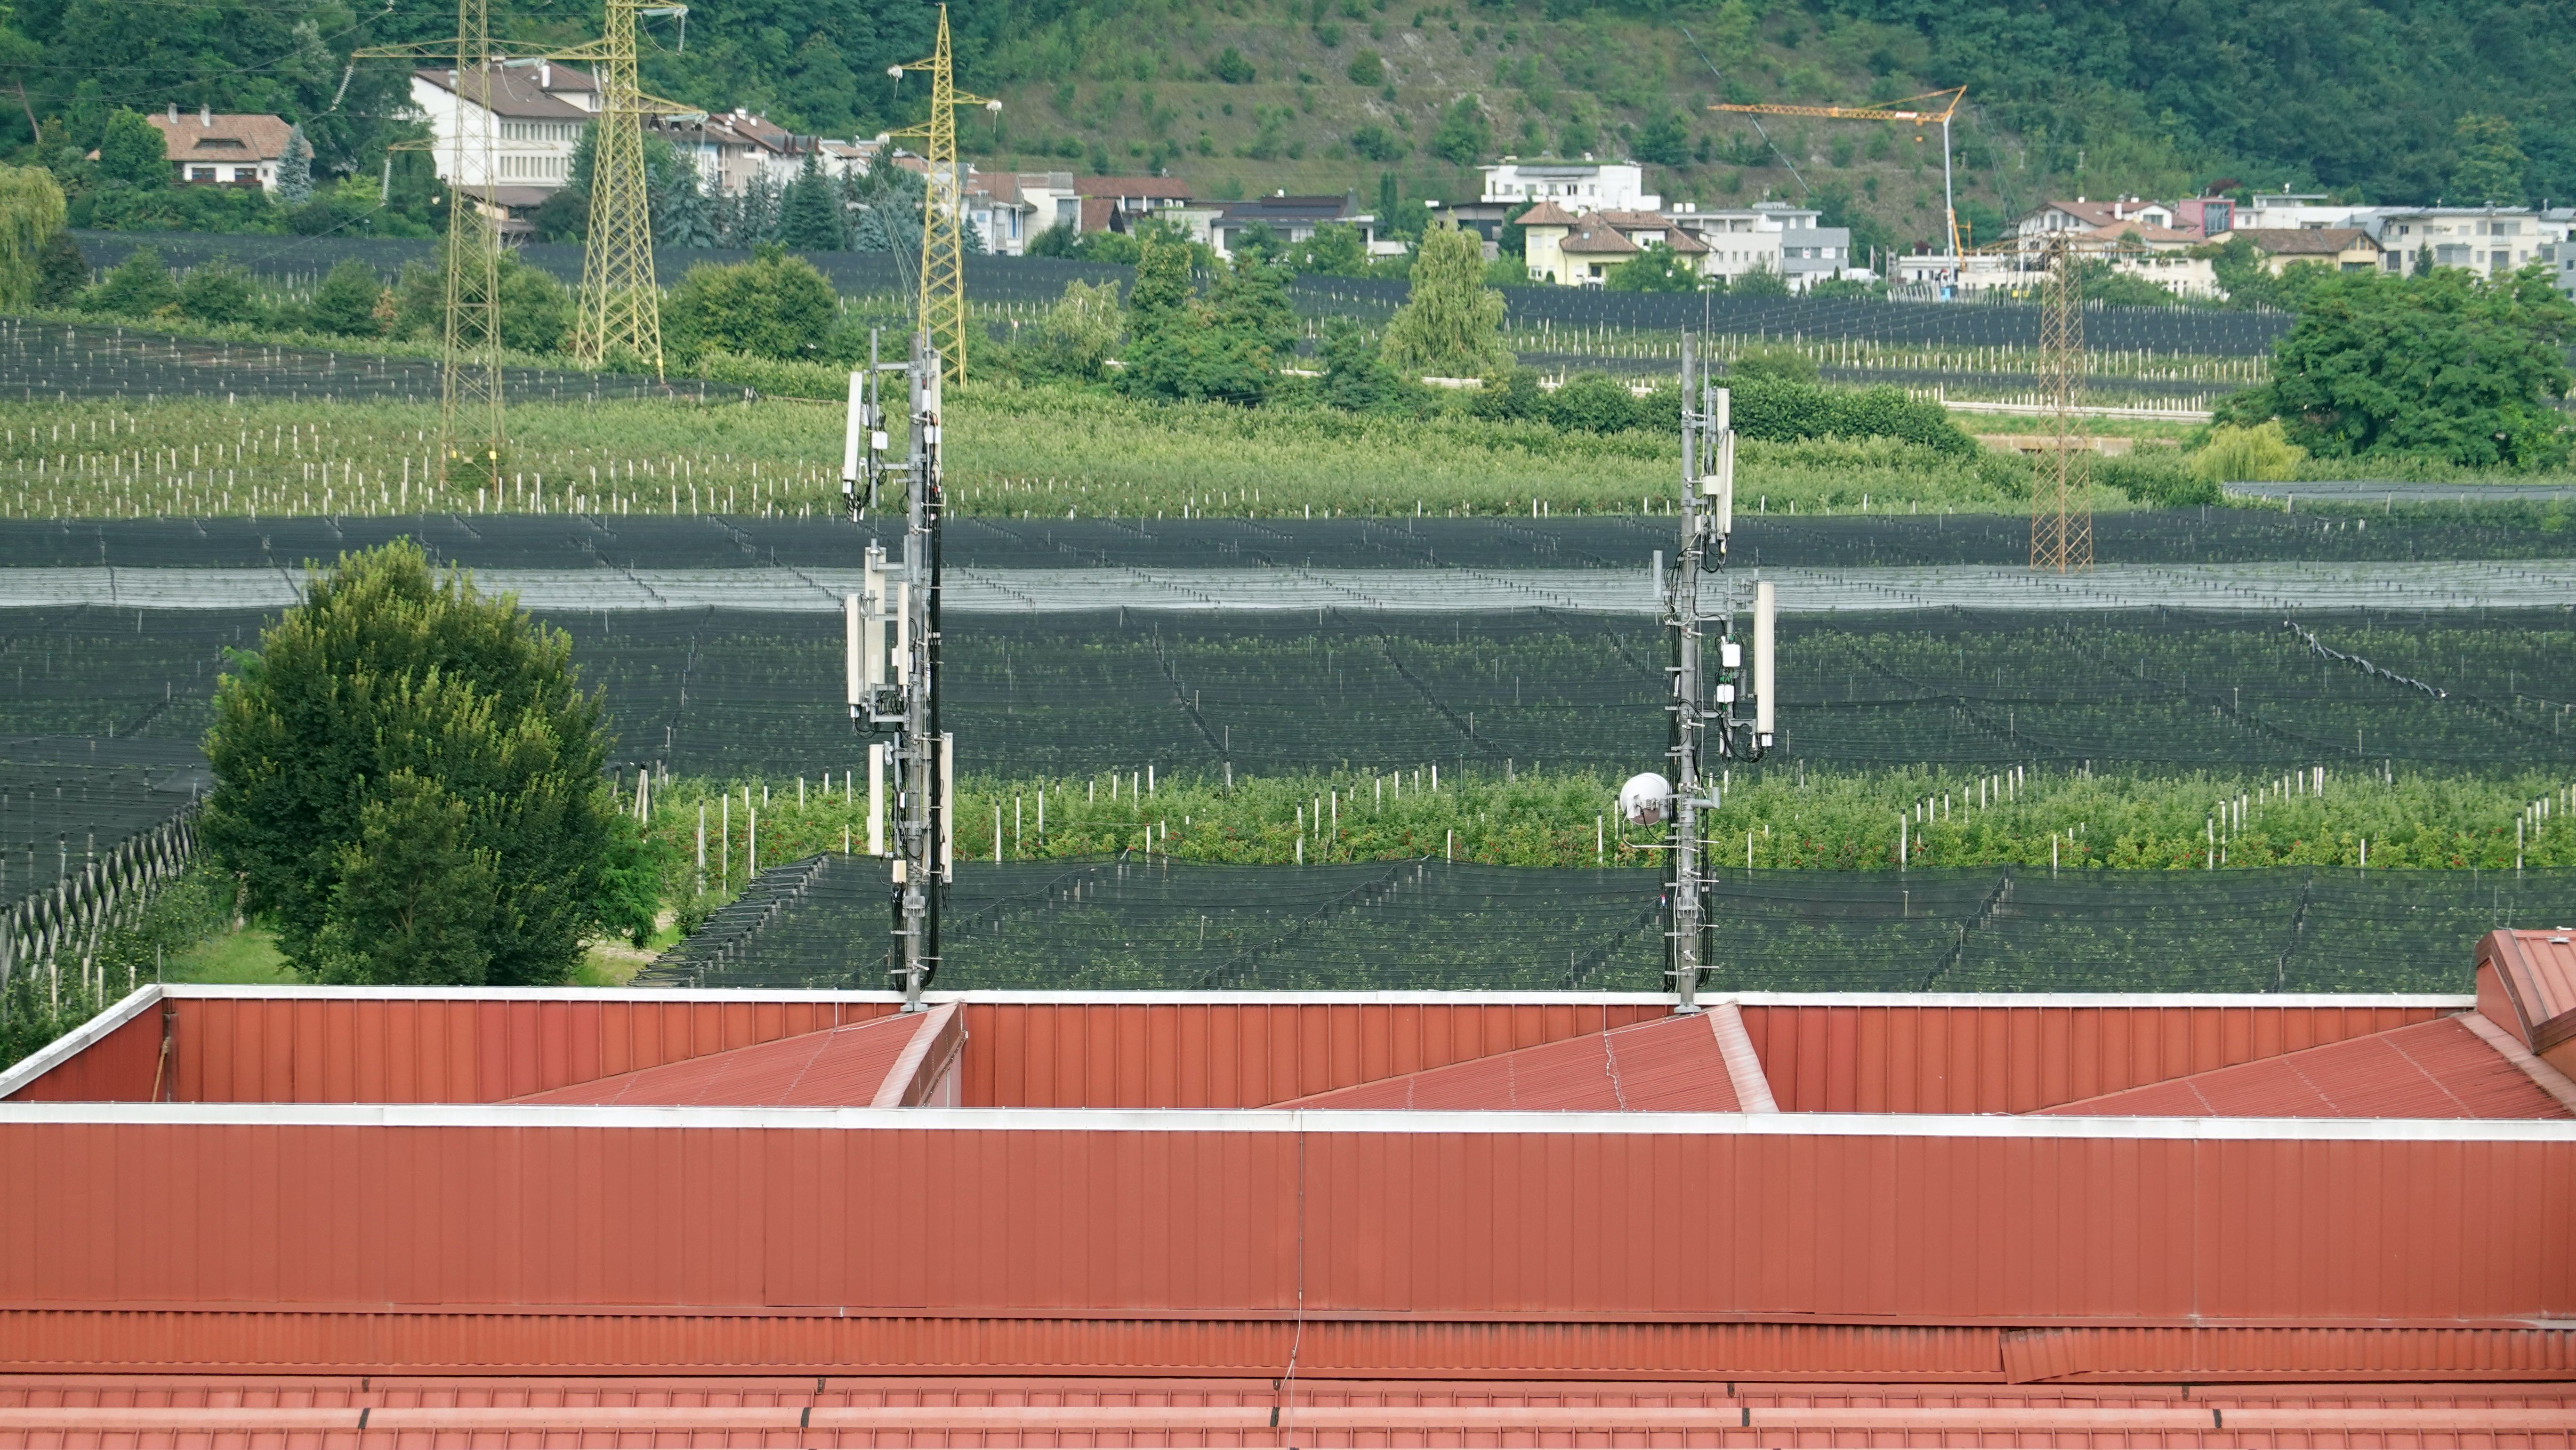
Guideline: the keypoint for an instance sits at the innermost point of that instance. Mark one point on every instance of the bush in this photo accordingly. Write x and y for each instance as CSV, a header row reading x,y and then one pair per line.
x,y
1464,136
132,152
2259,454
1374,142
139,286
407,777
218,292
536,310
773,306
1773,364
2158,476
1231,68
1367,68
1078,333
62,273
345,303
1783,411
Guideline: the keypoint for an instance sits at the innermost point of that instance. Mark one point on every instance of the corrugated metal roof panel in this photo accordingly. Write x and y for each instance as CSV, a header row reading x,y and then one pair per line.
x,y
2430,1070
1287,1411
2538,971
836,1067
1673,1064
1828,1057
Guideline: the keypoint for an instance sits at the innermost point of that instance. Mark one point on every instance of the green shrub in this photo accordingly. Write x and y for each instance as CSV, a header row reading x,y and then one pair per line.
x,y
139,286
2238,454
219,292
346,301
407,775
773,306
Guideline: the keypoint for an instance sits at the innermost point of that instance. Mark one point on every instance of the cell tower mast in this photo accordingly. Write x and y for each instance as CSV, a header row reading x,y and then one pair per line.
x,y
2061,495
1709,705
892,629
942,314
621,303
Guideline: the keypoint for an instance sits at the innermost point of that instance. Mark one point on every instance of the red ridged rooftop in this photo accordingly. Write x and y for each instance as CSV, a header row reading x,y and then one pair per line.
x,y
313,1216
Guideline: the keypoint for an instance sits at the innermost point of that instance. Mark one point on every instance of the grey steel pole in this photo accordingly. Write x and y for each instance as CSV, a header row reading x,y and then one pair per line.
x,y
1681,620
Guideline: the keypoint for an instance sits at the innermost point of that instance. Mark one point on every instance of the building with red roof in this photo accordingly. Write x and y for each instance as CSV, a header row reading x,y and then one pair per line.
x,y
468,1215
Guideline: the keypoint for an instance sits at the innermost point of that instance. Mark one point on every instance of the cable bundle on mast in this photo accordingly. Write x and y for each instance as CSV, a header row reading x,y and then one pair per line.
x,y
892,632
1722,712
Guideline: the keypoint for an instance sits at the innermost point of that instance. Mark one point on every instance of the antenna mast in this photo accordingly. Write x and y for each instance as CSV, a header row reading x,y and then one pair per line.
x,y
893,646
942,315
1708,704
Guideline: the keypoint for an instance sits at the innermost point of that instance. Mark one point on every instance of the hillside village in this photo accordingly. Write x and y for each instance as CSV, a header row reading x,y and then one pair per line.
x,y
1587,222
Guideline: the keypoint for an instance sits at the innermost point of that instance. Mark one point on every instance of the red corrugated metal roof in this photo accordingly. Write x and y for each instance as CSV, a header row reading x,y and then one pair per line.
x,y
837,1067
2538,969
1670,1065
1278,1411
2431,1070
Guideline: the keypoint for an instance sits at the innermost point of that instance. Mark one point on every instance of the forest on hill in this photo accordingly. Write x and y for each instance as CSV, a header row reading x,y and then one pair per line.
x,y
2362,98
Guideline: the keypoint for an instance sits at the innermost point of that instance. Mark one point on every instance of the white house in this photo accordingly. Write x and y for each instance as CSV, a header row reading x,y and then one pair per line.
x,y
1576,186
537,111
2487,240
207,149
2082,215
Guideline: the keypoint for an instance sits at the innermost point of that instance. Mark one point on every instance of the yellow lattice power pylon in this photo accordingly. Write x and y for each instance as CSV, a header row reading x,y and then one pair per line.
x,y
621,300
471,432
2061,492
943,206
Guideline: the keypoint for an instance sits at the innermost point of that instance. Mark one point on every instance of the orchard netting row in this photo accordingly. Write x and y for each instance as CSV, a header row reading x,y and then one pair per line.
x,y
714,541
64,801
737,694
1570,311
47,362
1137,922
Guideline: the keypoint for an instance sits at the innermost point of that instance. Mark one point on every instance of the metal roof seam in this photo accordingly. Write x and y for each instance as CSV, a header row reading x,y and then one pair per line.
x,y
1299,1120
2551,1080
2443,1000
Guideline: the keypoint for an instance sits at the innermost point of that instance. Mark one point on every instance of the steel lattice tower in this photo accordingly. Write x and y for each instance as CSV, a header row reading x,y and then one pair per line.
x,y
943,255
471,427
2061,495
621,306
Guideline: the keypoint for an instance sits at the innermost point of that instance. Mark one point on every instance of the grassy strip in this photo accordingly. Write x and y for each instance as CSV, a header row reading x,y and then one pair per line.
x,y
1038,452
1788,818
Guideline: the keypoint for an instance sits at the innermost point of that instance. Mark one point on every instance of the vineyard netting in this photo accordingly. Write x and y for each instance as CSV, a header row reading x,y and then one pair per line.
x,y
1138,922
1614,542
65,800
1033,280
740,694
45,362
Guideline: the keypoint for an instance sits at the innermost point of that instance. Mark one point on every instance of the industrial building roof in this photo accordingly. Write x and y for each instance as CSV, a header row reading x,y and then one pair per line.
x,y
1147,1215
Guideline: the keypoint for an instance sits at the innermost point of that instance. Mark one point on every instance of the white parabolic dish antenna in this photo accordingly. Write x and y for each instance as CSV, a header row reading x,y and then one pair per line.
x,y
1645,800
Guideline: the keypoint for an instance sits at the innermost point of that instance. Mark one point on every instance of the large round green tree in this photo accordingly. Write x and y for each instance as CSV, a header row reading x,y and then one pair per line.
x,y
408,779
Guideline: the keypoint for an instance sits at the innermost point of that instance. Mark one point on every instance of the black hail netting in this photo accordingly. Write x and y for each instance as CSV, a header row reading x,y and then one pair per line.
x,y
741,694
43,362
1032,280
65,800
1622,542
1148,923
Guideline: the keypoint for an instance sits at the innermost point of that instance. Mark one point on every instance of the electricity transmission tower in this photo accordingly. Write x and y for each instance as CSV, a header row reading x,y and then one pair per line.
x,y
472,435
892,630
1709,704
2061,495
943,206
621,303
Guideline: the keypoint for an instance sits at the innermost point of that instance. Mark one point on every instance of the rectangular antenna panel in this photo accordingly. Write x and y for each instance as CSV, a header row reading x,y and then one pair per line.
x,y
871,645
854,636
876,799
947,807
851,430
1765,606
1720,486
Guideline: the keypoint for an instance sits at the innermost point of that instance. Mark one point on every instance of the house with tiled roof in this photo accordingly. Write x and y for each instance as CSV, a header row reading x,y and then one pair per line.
x,y
535,110
212,149
2346,249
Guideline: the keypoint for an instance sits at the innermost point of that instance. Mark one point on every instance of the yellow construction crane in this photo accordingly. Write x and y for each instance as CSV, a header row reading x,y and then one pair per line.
x,y
1929,109
943,206
621,301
